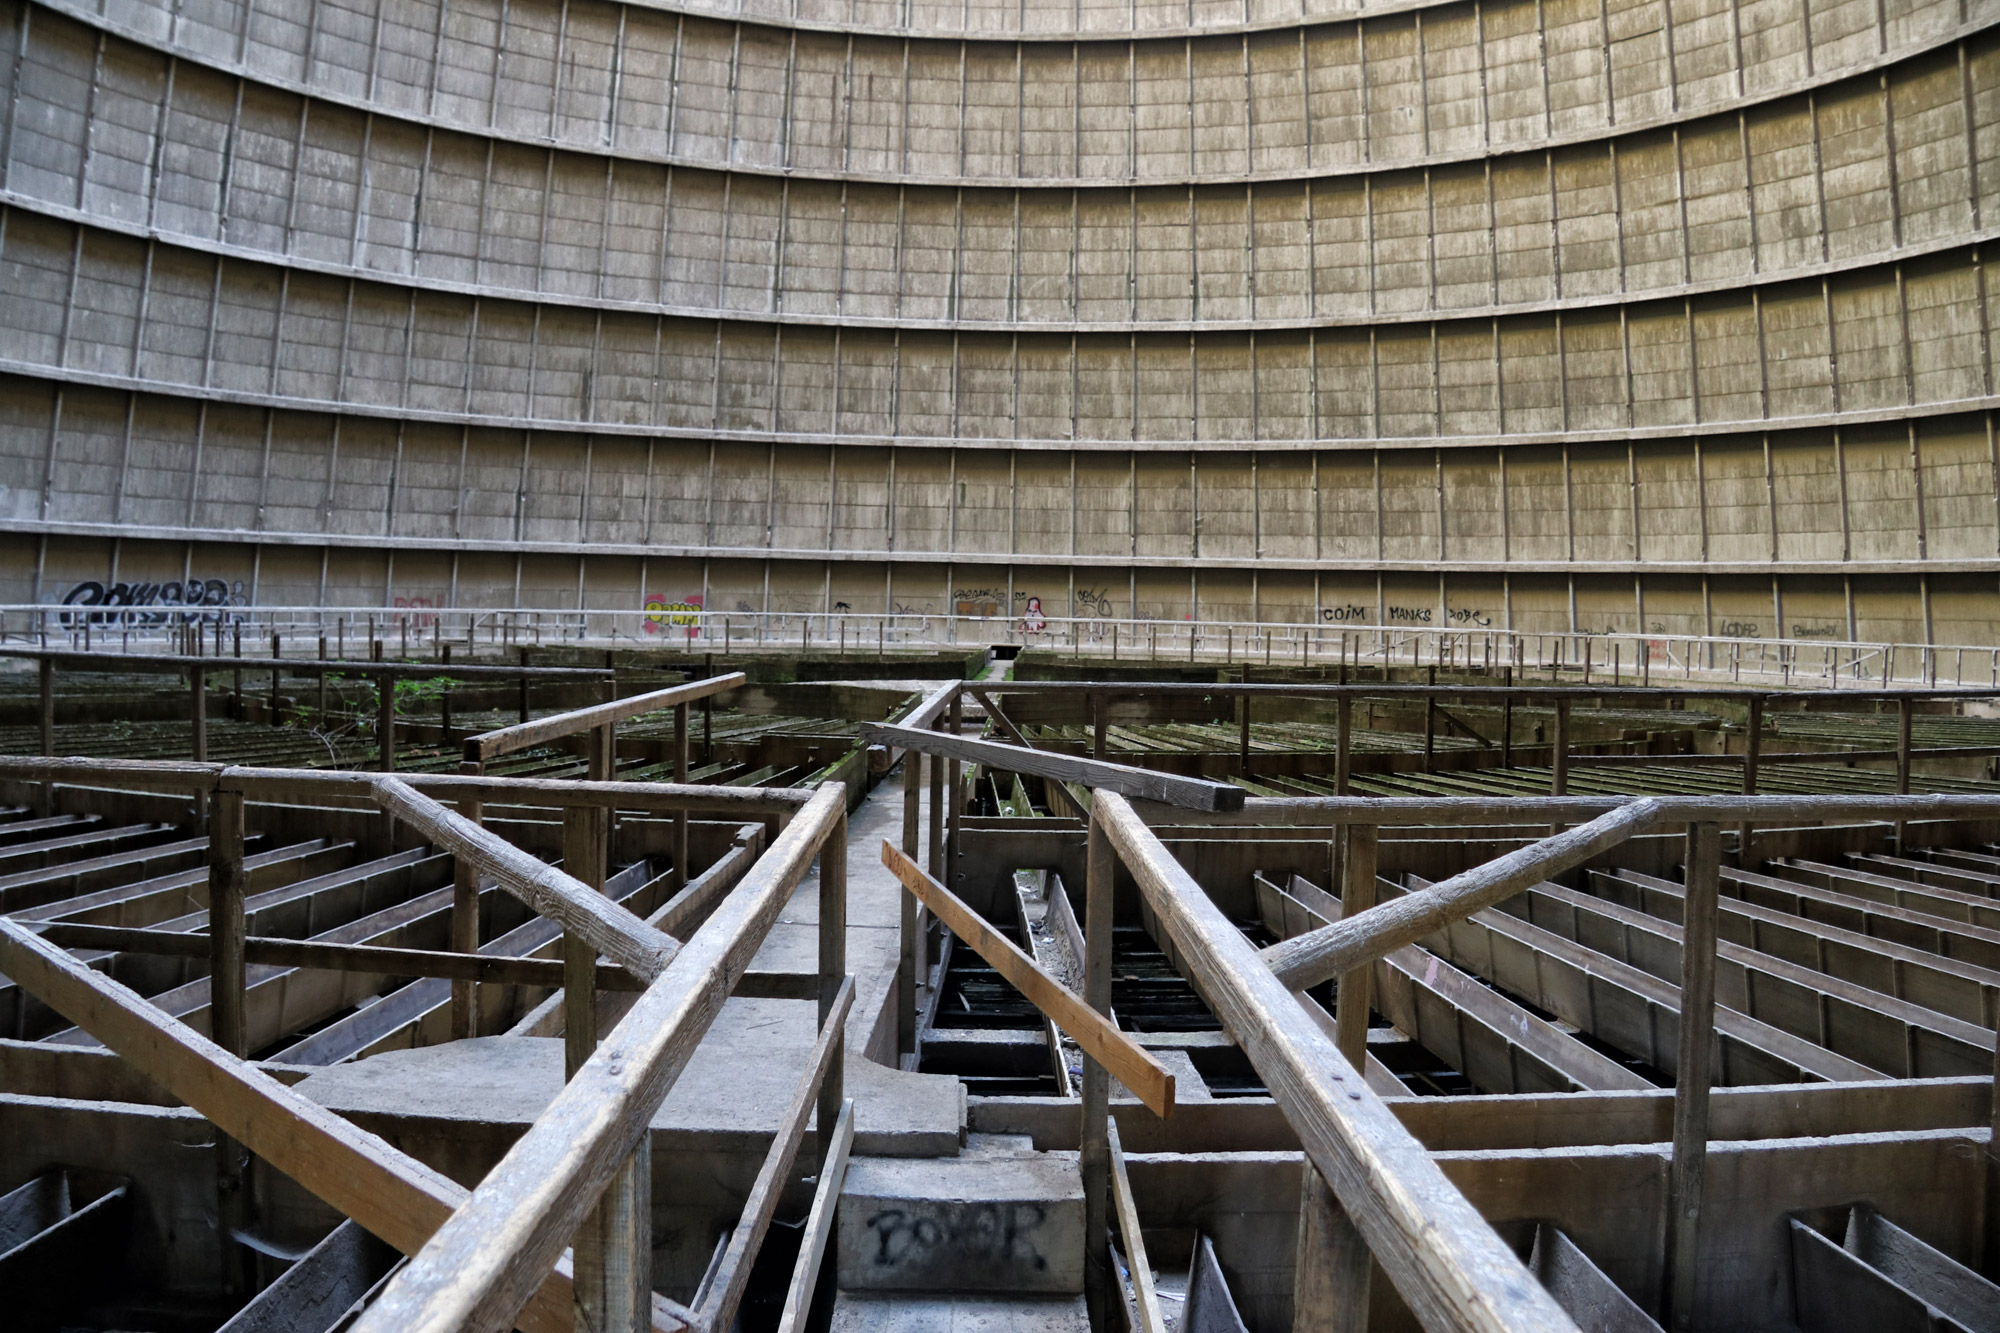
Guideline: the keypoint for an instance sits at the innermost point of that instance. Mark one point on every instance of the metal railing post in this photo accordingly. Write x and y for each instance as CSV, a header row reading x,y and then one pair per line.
x,y
1691,1082
1095,1157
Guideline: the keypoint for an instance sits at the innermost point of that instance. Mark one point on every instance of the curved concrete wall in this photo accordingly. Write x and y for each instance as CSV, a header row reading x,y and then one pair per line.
x,y
1546,313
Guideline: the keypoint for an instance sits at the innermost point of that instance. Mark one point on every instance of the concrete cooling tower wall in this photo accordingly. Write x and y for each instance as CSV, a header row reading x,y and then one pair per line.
x,y
1636,315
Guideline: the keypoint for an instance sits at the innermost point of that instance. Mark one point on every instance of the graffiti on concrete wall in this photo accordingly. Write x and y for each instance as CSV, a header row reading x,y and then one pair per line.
x,y
417,612
1816,631
176,601
1470,616
1033,619
664,615
977,601
1740,629
1409,615
1094,612
1347,613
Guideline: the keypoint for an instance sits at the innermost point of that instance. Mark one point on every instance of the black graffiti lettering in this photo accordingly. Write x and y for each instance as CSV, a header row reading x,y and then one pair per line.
x,y
130,601
1342,615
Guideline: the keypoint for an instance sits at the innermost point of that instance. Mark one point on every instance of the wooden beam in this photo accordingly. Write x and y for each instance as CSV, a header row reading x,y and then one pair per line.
x,y
1450,1267
263,950
731,1273
506,740
819,1224
1320,955
1144,1296
609,928
392,1195
1129,1062
481,1267
1167,788
1691,1083
1001,720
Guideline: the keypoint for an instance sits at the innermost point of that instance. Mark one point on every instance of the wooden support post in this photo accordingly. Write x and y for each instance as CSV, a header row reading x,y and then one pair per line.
x,y
1691,1085
1559,758
1507,726
524,686
1904,710
1356,990
385,722
444,698
46,671
225,930
1101,866
681,738
1343,744
277,653
465,932
613,1246
1332,1268
1752,747
910,974
198,711
1430,725
321,719
1993,1170
954,802
1100,724
832,968
934,858
227,1028
1243,734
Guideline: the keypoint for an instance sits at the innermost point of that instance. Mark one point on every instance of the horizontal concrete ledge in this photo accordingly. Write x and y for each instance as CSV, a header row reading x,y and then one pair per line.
x,y
971,560
1753,429
256,74
1969,240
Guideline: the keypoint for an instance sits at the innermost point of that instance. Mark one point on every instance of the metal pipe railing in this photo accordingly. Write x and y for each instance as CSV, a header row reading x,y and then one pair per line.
x,y
1556,651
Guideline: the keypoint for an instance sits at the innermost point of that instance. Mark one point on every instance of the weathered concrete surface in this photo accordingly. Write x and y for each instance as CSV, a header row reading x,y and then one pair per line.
x,y
874,1312
980,1223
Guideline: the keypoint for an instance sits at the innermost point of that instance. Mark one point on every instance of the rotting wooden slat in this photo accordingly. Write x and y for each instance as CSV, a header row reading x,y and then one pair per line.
x,y
1692,1078
1145,1299
1449,1266
1128,1062
1167,788
610,929
731,1273
392,1195
1323,954
819,1224
483,1264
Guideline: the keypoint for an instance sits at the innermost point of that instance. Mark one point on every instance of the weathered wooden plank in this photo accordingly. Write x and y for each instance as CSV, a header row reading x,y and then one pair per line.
x,y
819,1224
1694,1072
610,929
1145,1299
391,1194
1449,1266
727,1279
506,740
1167,788
1130,1063
484,1264
1324,954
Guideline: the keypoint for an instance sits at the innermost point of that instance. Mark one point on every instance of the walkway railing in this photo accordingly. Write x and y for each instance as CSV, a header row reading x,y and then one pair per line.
x,y
1551,653
580,1177
1373,1194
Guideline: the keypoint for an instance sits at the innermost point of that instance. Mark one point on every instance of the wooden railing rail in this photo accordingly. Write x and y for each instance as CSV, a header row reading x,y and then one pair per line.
x,y
1446,1262
483,1264
490,745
